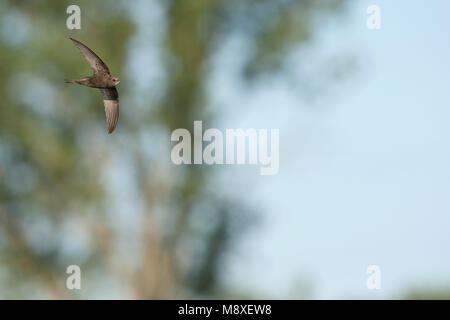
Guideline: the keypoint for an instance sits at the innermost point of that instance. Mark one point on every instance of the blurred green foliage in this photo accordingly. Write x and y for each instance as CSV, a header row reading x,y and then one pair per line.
x,y
428,294
63,179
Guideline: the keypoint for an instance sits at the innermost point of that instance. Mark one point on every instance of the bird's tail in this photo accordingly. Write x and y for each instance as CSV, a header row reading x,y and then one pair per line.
x,y
71,81
82,81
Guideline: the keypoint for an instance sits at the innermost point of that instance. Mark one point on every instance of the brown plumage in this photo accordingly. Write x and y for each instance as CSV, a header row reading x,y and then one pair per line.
x,y
101,79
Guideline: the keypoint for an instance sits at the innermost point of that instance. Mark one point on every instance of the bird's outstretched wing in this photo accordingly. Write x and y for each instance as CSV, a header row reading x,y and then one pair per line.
x,y
94,61
111,102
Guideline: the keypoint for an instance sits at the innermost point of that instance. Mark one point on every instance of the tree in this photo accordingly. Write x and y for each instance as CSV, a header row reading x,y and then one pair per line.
x,y
115,205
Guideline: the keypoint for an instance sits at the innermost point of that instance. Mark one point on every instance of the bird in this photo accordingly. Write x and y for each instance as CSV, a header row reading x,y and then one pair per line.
x,y
100,79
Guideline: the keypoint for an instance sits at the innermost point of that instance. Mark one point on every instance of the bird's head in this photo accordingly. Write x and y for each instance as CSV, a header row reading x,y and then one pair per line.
x,y
115,81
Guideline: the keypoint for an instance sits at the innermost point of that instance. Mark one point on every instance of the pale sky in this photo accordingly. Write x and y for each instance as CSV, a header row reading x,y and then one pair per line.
x,y
364,171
